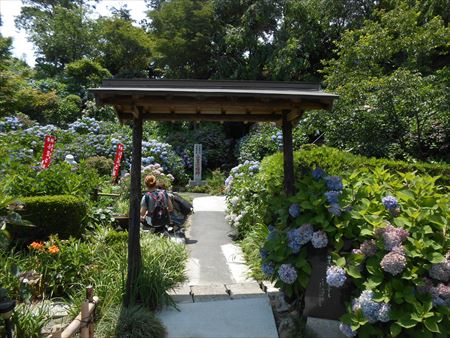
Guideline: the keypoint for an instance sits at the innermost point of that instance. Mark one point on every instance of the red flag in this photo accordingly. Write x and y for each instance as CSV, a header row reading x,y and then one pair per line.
x,y
119,153
49,145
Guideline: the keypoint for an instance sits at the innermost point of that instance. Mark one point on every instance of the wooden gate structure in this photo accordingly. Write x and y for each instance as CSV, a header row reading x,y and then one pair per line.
x,y
204,100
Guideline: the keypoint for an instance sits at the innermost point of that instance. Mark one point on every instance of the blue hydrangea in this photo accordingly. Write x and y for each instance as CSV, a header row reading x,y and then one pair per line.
x,y
332,197
336,276
347,330
294,210
268,269
294,240
335,209
369,307
334,183
319,239
305,233
263,253
287,273
390,202
318,173
271,228
383,313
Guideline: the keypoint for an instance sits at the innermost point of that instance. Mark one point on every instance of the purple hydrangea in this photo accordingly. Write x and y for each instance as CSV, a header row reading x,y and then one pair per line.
x,y
268,269
263,253
334,183
335,209
393,262
319,239
392,236
336,276
294,210
347,330
390,202
440,271
440,295
332,197
369,248
383,314
287,273
357,251
318,173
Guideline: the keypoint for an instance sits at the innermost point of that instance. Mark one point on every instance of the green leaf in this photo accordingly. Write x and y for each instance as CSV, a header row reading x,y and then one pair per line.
x,y
406,322
340,262
366,232
405,195
436,257
354,272
395,329
431,324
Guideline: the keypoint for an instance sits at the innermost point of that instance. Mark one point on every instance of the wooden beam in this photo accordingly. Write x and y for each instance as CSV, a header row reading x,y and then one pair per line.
x,y
134,246
288,155
206,117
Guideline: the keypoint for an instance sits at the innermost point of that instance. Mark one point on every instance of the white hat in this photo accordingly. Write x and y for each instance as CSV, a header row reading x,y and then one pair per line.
x,y
70,159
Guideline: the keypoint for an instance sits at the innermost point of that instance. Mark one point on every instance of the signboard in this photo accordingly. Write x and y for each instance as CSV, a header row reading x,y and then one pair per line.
x,y
49,145
322,300
197,163
119,153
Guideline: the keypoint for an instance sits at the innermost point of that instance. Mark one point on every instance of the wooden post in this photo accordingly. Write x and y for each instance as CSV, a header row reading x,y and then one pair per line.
x,y
288,155
85,319
134,247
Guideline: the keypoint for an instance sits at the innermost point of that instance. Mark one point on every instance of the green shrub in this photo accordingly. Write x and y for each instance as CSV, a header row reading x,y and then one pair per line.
x,y
29,320
59,214
344,214
102,164
58,179
215,183
114,237
132,322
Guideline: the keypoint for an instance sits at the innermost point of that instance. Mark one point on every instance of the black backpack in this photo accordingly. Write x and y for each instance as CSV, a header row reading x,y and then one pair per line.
x,y
160,215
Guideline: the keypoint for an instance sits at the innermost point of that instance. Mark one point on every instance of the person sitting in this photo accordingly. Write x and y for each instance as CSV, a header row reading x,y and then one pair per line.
x,y
156,206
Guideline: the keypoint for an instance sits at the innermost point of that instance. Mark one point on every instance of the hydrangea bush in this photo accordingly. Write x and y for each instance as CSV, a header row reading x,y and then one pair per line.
x,y
86,137
386,233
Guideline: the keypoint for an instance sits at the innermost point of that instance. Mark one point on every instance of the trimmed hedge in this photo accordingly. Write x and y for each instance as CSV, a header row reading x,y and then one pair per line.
x,y
338,162
57,214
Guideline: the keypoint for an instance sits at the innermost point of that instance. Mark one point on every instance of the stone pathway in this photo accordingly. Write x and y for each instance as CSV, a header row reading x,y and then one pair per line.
x,y
219,299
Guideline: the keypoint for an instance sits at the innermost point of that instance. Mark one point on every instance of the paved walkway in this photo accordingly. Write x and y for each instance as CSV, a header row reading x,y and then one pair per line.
x,y
219,299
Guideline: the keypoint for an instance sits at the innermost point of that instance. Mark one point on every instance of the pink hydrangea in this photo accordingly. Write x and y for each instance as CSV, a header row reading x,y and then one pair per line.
x,y
393,262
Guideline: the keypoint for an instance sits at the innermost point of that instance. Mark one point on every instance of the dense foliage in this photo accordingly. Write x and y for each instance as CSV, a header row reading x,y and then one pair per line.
x,y
386,232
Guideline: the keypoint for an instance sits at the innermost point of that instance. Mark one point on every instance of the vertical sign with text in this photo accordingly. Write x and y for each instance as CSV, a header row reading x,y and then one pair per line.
x,y
197,162
119,153
49,145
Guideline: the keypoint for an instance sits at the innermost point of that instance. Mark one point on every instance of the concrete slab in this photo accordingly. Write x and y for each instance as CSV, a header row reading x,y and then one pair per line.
x,y
245,290
322,328
209,203
209,292
239,318
181,294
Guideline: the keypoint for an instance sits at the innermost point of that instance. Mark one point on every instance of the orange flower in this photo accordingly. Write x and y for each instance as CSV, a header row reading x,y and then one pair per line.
x,y
37,245
53,249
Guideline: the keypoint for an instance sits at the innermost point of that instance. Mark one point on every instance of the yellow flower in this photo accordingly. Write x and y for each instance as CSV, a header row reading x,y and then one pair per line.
x,y
53,249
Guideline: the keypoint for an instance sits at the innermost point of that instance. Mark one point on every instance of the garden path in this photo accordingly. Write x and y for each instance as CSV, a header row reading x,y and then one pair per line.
x,y
219,300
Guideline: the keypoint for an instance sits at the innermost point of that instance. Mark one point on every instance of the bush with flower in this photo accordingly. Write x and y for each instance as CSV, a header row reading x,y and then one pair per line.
x,y
386,232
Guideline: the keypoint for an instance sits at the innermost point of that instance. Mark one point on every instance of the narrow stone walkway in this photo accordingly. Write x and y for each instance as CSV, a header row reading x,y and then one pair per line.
x,y
219,299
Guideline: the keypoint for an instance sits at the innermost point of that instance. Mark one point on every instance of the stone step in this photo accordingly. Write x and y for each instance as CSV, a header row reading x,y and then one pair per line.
x,y
200,293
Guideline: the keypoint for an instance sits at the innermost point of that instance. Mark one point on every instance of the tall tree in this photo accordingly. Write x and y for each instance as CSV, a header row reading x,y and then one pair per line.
x,y
182,33
60,30
125,50
394,98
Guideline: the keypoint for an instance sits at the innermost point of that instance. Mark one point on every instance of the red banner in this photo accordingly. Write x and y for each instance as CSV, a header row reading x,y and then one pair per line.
x,y
119,153
49,145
